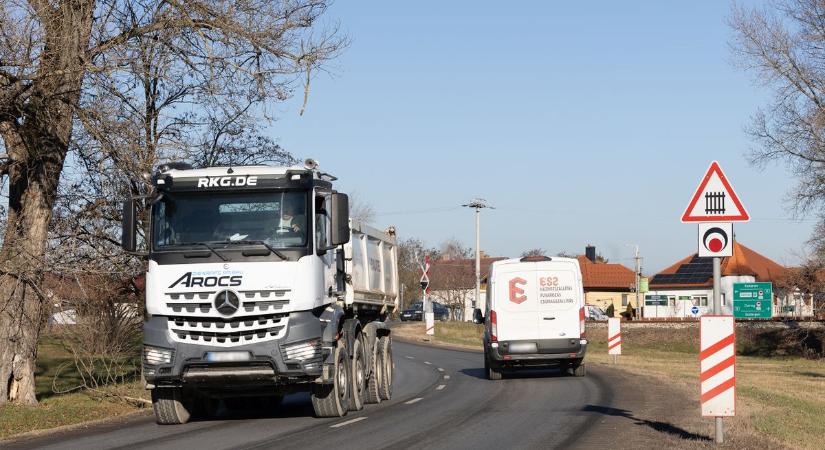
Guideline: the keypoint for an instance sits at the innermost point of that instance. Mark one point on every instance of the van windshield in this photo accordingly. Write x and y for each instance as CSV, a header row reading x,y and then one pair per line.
x,y
277,218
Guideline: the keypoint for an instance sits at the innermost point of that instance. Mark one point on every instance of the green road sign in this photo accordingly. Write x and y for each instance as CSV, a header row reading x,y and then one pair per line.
x,y
655,300
752,300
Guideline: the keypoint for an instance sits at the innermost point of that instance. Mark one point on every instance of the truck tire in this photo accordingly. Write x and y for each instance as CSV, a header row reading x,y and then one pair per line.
x,y
332,400
491,372
170,406
359,375
579,371
376,375
385,361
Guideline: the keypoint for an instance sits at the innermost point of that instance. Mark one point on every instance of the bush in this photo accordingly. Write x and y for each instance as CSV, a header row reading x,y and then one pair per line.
x,y
610,310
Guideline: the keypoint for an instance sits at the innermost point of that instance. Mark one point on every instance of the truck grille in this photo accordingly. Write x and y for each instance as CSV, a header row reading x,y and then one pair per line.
x,y
252,303
228,332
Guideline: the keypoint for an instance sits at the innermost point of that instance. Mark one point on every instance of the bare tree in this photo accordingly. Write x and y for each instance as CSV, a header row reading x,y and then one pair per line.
x,y
67,69
411,253
782,46
453,282
534,252
453,249
360,209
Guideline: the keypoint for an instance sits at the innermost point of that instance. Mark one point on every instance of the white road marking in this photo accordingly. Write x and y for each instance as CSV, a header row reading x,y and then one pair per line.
x,y
428,363
410,357
348,422
415,400
446,377
440,387
440,369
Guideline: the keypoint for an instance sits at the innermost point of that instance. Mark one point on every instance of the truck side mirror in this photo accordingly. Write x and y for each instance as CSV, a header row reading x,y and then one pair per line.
x,y
339,219
128,238
477,316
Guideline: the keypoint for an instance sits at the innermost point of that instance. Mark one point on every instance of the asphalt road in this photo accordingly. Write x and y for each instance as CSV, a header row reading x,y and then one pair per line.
x,y
441,400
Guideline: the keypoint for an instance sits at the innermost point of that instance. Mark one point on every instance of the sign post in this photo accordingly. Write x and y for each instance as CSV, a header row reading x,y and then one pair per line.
x,y
721,207
426,306
614,338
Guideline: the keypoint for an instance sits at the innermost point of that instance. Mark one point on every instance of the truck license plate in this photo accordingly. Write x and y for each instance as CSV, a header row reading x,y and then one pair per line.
x,y
523,347
228,356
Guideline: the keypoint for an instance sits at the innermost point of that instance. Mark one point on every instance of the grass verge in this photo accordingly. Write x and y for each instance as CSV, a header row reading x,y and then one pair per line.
x,y
56,372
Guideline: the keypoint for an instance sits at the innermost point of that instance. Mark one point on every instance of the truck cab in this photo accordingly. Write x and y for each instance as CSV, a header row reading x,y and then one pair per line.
x,y
534,316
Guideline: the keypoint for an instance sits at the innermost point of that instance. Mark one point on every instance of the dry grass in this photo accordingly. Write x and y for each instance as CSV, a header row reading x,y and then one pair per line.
x,y
782,399
57,410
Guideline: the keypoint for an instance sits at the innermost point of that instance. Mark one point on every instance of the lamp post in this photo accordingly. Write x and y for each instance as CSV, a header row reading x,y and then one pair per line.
x,y
478,204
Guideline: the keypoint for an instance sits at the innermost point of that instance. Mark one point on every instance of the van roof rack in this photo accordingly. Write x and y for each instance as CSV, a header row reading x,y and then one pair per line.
x,y
535,258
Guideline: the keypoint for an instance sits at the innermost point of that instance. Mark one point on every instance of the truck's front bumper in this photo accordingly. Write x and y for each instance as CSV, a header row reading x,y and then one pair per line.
x,y
296,357
536,353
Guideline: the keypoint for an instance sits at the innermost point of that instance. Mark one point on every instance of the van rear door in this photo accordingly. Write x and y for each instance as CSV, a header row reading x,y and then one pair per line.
x,y
515,302
559,300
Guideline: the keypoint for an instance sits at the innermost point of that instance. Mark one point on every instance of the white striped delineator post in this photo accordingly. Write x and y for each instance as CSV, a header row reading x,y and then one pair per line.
x,y
717,367
614,337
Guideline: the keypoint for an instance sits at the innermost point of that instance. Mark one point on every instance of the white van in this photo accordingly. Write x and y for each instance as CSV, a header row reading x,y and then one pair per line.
x,y
534,315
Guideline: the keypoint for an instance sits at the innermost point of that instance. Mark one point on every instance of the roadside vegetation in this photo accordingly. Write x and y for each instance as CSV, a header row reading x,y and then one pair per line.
x,y
63,399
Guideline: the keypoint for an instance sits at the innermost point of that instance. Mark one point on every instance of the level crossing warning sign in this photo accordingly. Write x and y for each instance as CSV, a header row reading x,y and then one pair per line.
x,y
715,200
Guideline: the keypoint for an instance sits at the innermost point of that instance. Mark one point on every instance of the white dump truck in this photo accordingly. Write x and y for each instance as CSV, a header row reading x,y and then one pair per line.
x,y
259,285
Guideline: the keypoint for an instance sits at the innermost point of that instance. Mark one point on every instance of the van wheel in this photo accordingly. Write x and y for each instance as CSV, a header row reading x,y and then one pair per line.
x,y
359,375
377,375
492,374
385,360
332,400
579,371
170,406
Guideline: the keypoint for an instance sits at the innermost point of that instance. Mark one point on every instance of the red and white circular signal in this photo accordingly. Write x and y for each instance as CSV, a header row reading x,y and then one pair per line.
x,y
715,239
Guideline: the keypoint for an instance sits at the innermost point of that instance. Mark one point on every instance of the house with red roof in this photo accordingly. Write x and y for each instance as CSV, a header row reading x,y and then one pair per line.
x,y
685,289
452,283
606,283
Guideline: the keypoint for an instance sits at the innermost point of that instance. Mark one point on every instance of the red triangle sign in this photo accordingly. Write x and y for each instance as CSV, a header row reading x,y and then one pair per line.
x,y
715,200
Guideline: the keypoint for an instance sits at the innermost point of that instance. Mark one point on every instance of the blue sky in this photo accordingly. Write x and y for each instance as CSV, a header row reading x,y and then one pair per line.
x,y
582,125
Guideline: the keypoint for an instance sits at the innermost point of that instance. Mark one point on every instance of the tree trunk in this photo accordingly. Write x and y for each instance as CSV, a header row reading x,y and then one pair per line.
x,y
37,141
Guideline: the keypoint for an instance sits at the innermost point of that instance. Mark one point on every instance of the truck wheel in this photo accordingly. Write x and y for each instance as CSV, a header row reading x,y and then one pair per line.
x,y
171,407
579,371
332,400
491,372
385,360
359,375
377,375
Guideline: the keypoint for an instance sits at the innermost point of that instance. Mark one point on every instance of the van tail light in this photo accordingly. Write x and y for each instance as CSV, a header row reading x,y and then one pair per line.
x,y
581,322
493,327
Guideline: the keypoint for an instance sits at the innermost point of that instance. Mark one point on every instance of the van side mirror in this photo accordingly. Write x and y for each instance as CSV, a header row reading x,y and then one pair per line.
x,y
339,219
477,316
128,237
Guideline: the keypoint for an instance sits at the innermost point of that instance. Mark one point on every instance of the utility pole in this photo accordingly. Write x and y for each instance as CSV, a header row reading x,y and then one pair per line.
x,y
638,282
478,204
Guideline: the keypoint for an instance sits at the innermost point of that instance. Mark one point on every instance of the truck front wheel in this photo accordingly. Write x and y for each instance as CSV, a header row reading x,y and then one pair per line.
x,y
171,407
332,400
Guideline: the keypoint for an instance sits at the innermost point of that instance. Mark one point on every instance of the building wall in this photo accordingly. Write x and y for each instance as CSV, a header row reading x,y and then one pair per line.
x,y
619,300
682,308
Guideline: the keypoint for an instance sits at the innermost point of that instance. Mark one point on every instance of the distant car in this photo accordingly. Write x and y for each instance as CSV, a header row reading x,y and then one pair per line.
x,y
413,313
593,312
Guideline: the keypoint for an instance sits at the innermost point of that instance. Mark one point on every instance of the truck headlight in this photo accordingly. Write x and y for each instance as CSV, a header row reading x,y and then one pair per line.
x,y
154,356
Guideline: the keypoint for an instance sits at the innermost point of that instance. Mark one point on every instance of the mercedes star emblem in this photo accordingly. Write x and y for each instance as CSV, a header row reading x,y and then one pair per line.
x,y
227,303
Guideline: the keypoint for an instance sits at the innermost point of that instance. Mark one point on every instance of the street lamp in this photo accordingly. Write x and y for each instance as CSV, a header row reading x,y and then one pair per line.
x,y
478,204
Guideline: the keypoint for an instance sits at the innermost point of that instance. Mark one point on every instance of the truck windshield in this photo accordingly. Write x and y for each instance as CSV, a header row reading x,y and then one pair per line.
x,y
277,218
